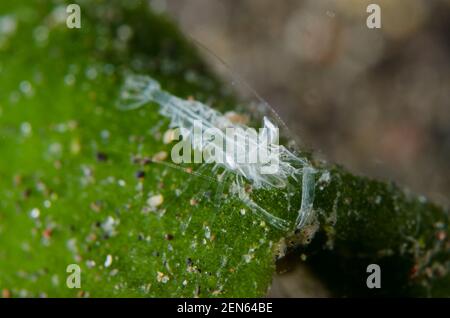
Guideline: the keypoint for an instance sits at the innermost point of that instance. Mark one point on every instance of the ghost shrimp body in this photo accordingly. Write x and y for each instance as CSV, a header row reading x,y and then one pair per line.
x,y
276,171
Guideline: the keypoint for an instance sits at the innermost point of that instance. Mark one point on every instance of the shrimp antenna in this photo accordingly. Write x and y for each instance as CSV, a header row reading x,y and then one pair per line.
x,y
243,82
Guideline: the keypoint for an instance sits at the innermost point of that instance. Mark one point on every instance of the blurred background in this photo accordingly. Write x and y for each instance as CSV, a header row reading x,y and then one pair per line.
x,y
375,100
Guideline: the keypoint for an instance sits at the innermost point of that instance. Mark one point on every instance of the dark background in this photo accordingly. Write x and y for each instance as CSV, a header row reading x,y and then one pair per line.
x,y
376,101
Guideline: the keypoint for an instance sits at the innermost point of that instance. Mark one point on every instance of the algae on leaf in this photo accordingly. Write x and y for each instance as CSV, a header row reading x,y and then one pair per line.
x,y
77,182
81,182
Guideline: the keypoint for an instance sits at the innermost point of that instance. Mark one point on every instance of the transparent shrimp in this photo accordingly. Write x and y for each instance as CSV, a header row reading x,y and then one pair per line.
x,y
140,90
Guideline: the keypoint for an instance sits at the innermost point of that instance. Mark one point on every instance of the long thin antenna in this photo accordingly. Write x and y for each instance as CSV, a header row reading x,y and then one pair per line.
x,y
242,81
174,166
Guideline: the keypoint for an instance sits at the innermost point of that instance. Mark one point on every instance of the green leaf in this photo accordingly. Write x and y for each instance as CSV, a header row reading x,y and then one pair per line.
x,y
78,186
72,188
